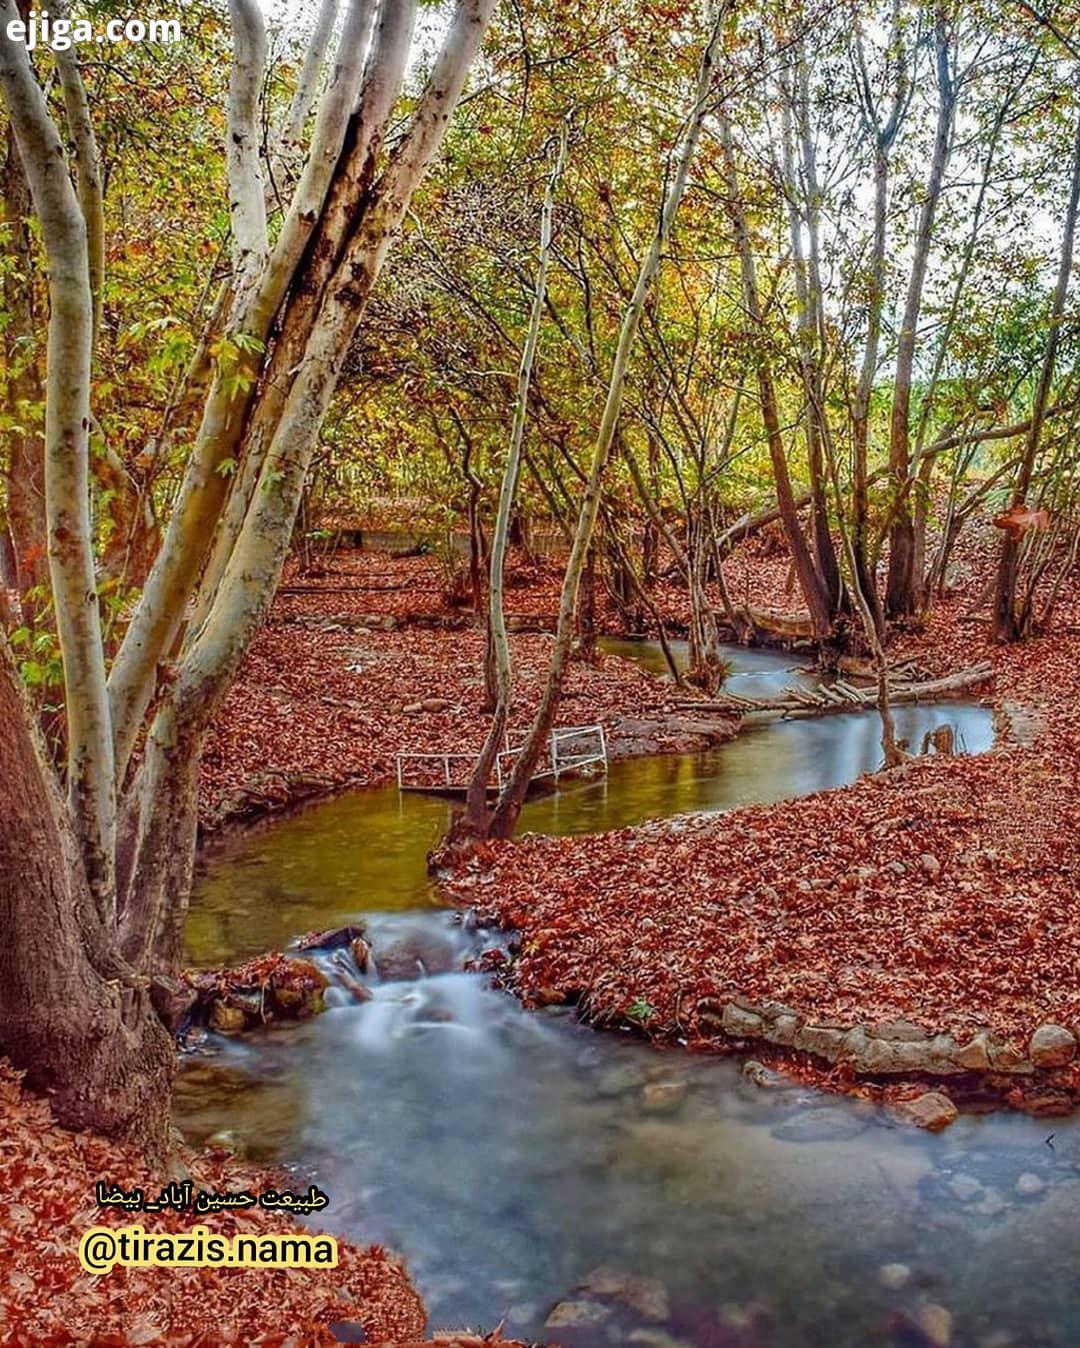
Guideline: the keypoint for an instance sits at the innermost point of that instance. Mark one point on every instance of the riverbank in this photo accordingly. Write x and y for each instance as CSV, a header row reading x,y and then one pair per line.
x,y
919,923
372,661
48,1178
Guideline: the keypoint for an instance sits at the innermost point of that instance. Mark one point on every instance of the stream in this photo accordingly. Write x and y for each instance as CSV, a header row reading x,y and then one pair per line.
x,y
584,1187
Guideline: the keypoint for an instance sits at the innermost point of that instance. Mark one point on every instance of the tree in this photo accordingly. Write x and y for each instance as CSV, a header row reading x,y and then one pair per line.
x,y
1010,620
93,889
504,817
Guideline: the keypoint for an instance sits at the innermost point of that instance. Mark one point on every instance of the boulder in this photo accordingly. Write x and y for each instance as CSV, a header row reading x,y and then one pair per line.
x,y
226,1019
931,1110
974,1056
663,1097
333,939
740,1023
413,954
1007,1058
647,1296
1052,1046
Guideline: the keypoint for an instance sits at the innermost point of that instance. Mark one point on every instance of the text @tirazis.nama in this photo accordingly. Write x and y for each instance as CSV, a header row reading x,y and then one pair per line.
x,y
102,1247
42,29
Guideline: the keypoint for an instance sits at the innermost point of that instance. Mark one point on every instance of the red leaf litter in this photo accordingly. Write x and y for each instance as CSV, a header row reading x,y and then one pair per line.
x,y
943,892
48,1178
322,695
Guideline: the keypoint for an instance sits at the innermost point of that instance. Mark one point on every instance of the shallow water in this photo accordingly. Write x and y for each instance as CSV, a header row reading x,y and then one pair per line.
x,y
506,1154
366,849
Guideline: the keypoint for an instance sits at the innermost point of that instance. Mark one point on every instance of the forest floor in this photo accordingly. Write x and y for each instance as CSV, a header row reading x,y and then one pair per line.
x,y
48,1178
938,898
370,659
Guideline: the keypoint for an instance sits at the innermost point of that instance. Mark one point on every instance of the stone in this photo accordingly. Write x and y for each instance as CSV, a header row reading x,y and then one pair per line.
x,y
663,1097
577,1315
931,1110
226,1019
1007,1058
964,1188
336,938
894,1276
1029,1185
647,1296
764,1076
936,1323
739,1023
974,1056
896,1055
821,1123
413,709
619,1080
414,954
992,1204
1052,1046
929,865
783,1029
900,1030
824,1040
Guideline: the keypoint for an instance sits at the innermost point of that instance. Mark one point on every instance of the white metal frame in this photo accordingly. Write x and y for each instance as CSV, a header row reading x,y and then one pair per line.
x,y
561,760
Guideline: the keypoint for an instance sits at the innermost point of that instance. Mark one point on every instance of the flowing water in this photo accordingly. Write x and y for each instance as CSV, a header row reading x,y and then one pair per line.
x,y
509,1155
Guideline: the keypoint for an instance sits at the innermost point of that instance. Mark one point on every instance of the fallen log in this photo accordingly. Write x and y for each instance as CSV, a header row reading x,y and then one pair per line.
x,y
752,521
842,697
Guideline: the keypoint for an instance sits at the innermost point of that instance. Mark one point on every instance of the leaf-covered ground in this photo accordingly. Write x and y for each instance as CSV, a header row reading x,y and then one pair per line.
x,y
944,892
321,701
48,1179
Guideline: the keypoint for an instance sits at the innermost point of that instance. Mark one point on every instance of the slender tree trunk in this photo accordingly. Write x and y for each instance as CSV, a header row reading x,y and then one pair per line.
x,y
808,296
813,587
512,796
26,522
1007,622
902,596
499,679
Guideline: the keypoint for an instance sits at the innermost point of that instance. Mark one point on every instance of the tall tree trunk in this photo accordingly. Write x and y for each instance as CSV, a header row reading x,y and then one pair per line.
x,y
903,583
808,295
94,1045
94,913
1008,623
512,796
498,669
811,583
23,393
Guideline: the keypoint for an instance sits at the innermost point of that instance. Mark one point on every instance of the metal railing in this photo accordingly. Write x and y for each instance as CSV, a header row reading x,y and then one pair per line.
x,y
570,749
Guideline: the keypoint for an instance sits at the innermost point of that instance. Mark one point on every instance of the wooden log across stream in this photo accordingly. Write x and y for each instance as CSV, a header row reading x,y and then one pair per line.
x,y
842,696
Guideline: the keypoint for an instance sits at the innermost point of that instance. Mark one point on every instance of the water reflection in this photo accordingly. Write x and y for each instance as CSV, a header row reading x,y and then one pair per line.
x,y
366,849
506,1155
